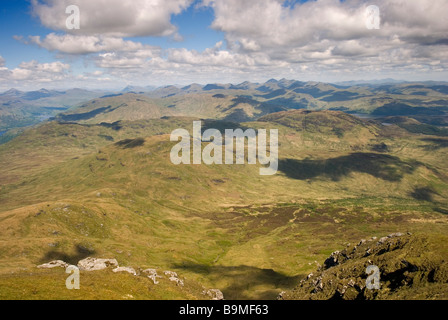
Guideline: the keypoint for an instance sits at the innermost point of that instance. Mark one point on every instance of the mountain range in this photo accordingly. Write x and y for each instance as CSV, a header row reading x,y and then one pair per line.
x,y
96,180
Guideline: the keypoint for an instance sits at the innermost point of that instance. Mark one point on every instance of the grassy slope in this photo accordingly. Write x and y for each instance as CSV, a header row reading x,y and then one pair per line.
x,y
98,285
224,226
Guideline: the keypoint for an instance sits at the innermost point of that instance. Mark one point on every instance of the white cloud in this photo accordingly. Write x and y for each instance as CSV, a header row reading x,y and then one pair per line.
x,y
269,23
118,18
80,44
282,32
34,71
322,39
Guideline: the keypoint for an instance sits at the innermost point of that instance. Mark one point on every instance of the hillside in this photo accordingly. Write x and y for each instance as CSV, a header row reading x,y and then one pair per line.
x,y
71,190
410,267
428,103
21,109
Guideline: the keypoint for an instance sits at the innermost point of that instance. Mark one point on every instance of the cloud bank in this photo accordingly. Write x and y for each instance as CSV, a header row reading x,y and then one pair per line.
x,y
262,38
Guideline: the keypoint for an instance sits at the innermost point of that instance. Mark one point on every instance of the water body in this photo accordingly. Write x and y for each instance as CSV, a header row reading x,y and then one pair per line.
x,y
2,133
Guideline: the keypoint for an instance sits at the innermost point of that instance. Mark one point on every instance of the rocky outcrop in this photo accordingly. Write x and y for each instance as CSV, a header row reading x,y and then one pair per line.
x,y
54,264
94,264
215,294
170,274
152,274
409,267
173,277
125,269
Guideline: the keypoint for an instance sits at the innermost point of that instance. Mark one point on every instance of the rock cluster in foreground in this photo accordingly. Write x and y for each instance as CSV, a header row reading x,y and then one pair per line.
x,y
411,267
96,264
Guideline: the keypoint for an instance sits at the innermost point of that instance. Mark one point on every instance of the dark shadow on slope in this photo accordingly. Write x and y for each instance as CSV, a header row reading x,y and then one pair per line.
x,y
381,166
287,103
81,253
424,129
341,96
213,87
242,100
238,115
273,94
436,143
441,210
423,194
245,282
314,92
114,126
84,116
130,143
401,109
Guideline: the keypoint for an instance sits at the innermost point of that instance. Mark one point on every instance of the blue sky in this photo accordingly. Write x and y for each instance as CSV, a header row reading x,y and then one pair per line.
x,y
149,42
15,19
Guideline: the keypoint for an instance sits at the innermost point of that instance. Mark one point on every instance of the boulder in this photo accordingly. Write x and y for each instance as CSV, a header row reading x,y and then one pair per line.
x,y
170,274
215,294
152,274
178,281
94,264
150,271
125,269
335,259
54,264
154,277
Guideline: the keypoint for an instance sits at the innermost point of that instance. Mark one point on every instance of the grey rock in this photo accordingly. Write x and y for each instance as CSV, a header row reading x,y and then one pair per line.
x,y
332,260
178,281
154,278
152,274
125,269
54,264
94,264
150,271
361,242
215,294
382,240
395,235
170,273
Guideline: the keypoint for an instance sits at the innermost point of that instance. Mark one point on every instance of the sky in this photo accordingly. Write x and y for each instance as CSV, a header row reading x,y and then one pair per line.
x,y
164,42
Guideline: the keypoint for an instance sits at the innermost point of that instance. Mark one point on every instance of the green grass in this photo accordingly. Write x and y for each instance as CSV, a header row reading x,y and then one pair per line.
x,y
68,191
97,285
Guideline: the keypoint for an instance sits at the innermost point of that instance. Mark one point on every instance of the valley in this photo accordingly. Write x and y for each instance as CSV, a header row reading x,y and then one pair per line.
x,y
97,180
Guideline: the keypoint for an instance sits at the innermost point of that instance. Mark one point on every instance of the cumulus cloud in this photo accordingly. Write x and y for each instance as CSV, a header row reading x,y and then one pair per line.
x,y
33,71
294,33
119,18
263,38
80,44
269,23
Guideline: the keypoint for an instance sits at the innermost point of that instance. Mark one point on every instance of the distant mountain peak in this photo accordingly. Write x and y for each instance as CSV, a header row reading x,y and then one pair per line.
x,y
13,91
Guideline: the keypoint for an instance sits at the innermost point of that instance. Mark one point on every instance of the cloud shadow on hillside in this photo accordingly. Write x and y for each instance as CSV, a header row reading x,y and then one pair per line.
x,y
263,284
381,166
435,144
423,194
130,143
80,253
